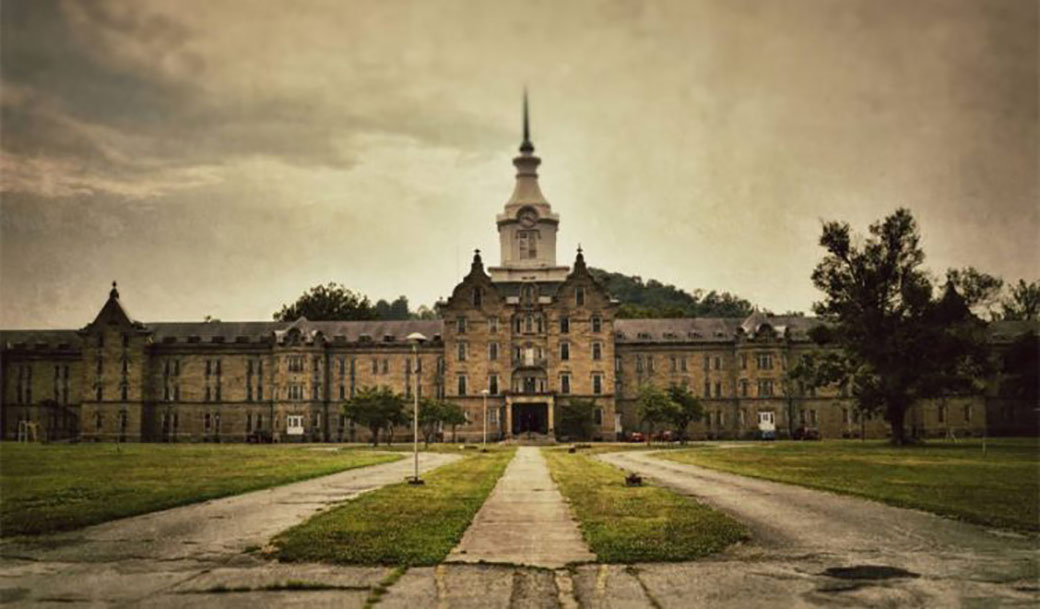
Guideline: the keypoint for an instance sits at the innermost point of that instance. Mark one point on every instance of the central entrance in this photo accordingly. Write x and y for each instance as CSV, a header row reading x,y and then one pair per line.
x,y
530,418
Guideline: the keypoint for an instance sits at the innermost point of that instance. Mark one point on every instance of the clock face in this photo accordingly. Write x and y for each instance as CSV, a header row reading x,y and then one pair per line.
x,y
528,217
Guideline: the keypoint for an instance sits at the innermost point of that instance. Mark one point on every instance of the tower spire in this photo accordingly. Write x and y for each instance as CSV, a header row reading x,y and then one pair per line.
x,y
526,146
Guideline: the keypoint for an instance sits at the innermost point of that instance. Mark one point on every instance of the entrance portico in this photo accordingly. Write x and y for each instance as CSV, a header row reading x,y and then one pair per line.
x,y
529,413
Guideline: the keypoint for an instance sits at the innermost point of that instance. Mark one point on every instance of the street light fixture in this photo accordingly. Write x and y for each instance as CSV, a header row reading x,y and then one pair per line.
x,y
416,339
485,392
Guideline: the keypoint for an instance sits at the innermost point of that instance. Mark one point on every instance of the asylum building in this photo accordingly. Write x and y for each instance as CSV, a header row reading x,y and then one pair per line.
x,y
524,337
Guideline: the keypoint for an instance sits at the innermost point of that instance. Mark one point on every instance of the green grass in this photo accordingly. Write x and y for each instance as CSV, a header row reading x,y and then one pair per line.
x,y
637,524
955,479
45,488
400,524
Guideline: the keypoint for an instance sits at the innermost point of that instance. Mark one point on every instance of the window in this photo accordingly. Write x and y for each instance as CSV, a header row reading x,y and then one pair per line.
x,y
718,363
462,352
527,241
812,417
598,414
579,296
493,351
743,361
765,361
492,324
675,363
493,416
707,389
718,389
295,364
565,383
597,351
478,297
316,392
294,424
462,385
565,351
315,361
386,366
650,363
207,394
375,366
617,363
682,364
707,363
597,384
765,388
639,363
493,384
565,325
460,325
206,421
743,388
597,324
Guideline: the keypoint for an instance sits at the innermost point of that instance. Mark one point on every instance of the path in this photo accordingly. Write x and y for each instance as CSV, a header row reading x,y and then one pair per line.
x,y
798,533
525,520
135,557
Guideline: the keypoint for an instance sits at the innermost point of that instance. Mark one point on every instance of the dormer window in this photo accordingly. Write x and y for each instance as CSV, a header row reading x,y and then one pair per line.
x,y
579,297
478,297
460,325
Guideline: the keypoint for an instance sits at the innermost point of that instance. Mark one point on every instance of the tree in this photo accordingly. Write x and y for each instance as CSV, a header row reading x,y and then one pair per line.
x,y
979,290
655,299
577,419
688,409
1023,303
896,345
375,408
453,416
655,407
329,302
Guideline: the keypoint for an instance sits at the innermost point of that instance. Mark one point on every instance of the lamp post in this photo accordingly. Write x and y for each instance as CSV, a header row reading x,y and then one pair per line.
x,y
416,339
485,392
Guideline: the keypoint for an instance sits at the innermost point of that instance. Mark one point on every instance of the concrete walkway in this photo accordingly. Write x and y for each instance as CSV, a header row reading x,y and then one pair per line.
x,y
525,521
134,558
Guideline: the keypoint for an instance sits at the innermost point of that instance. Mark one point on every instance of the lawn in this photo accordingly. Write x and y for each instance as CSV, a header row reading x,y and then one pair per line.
x,y
955,479
401,524
46,488
637,524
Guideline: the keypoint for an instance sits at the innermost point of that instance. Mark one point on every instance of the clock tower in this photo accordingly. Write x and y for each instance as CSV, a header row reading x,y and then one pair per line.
x,y
527,226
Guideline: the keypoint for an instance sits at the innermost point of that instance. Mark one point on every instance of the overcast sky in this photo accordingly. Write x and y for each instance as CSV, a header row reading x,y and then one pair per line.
x,y
219,157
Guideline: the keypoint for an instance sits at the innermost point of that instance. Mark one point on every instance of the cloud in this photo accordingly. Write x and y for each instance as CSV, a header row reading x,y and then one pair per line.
x,y
117,100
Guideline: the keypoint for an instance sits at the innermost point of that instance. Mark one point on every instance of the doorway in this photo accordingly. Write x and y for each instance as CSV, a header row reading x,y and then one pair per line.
x,y
530,418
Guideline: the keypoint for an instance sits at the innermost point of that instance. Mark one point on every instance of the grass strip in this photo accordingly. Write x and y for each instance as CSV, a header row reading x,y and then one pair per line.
x,y
399,524
48,488
625,524
954,479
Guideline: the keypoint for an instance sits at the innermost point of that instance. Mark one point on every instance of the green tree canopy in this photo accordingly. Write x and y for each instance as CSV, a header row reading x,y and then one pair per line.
x,y
329,302
655,299
453,416
377,408
334,302
891,343
979,290
655,407
577,419
688,409
1023,303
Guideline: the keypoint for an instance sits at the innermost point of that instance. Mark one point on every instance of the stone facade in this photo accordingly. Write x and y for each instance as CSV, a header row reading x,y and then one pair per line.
x,y
531,334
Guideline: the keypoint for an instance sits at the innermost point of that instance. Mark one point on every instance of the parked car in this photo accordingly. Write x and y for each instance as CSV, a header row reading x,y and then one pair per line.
x,y
806,433
636,436
259,436
665,436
